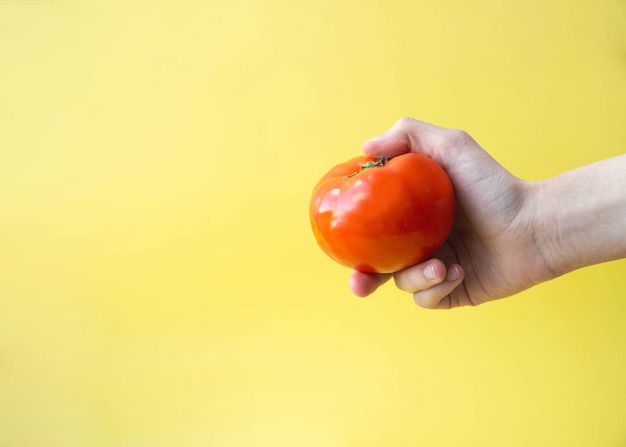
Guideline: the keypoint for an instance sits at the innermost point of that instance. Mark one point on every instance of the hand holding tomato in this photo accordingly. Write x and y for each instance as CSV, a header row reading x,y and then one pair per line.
x,y
489,252
383,215
507,234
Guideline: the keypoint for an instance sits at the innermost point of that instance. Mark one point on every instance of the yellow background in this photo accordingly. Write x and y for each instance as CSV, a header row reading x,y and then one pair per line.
x,y
160,285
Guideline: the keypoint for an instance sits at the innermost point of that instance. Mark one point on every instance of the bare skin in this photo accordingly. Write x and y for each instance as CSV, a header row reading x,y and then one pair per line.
x,y
509,234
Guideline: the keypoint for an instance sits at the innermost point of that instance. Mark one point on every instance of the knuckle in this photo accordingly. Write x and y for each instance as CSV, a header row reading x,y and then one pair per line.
x,y
409,280
398,280
401,281
459,137
425,301
405,121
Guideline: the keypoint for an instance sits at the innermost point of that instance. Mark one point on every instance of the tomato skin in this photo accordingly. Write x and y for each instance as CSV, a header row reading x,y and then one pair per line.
x,y
386,218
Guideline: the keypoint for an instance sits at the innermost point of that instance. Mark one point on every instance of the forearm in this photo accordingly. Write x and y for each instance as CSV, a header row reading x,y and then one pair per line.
x,y
581,216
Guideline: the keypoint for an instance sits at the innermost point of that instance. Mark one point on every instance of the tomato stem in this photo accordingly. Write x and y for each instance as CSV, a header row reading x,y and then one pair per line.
x,y
379,162
375,164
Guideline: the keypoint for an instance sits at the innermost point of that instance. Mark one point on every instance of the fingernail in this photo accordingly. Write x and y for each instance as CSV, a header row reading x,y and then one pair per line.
x,y
429,272
453,274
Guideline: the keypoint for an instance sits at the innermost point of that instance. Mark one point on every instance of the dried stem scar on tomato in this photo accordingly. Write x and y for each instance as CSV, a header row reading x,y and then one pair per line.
x,y
383,215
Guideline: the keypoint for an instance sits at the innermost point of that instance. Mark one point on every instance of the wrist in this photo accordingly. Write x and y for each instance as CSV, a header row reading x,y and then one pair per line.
x,y
579,217
547,243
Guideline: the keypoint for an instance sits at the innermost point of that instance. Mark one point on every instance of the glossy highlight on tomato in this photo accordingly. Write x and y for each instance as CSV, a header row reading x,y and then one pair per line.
x,y
382,215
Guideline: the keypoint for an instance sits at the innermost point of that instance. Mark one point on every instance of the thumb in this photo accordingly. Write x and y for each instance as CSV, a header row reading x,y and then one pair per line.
x,y
388,144
453,149
406,135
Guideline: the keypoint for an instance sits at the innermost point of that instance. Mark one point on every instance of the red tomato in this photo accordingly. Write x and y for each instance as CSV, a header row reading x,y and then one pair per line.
x,y
383,215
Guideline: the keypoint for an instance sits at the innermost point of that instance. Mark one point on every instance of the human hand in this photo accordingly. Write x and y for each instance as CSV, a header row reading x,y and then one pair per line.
x,y
490,252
